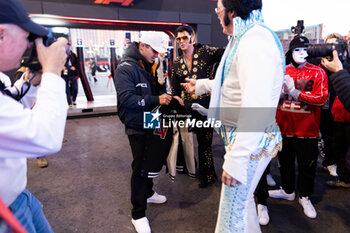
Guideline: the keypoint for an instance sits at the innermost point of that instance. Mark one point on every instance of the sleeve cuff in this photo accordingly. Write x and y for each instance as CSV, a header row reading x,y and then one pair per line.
x,y
52,81
154,100
203,86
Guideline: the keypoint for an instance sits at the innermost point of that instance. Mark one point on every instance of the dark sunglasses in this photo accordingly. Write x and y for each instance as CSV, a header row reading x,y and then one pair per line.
x,y
182,38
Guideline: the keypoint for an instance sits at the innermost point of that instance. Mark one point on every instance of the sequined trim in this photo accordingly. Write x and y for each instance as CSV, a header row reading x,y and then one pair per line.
x,y
196,97
271,138
273,154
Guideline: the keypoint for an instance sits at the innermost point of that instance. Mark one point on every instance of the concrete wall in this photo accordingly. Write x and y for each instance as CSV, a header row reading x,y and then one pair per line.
x,y
198,12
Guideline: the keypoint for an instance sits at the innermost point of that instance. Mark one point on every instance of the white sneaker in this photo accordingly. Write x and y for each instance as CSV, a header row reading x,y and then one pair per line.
x,y
263,215
309,209
141,225
157,199
332,170
280,193
270,180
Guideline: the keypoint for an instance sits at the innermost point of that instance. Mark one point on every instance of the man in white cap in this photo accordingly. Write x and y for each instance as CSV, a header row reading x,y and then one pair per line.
x,y
137,92
27,133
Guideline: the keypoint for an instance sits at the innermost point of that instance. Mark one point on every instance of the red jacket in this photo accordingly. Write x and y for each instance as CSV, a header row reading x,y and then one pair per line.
x,y
301,117
339,112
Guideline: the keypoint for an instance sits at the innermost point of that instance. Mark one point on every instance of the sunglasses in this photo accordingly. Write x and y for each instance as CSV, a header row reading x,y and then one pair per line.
x,y
217,10
182,38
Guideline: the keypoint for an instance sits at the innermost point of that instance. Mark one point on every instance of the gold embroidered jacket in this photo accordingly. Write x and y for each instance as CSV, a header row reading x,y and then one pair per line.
x,y
203,60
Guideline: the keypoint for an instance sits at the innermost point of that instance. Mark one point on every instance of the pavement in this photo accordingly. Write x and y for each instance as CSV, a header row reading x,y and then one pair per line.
x,y
86,188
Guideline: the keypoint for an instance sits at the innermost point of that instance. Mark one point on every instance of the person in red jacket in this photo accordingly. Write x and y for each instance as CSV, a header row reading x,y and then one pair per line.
x,y
304,91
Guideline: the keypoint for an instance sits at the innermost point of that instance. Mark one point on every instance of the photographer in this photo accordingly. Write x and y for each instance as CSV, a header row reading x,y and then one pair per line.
x,y
28,133
341,83
327,121
340,79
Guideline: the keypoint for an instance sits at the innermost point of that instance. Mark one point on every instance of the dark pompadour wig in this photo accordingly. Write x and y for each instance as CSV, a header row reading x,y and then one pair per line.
x,y
183,28
241,7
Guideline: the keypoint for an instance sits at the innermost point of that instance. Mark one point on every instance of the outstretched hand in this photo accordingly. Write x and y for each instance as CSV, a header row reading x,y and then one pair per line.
x,y
181,102
190,86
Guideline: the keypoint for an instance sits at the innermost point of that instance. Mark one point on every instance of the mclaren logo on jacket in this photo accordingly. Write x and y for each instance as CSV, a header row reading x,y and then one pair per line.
x,y
141,85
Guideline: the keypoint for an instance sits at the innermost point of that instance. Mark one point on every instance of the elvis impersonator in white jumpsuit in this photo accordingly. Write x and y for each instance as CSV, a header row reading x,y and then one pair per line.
x,y
245,95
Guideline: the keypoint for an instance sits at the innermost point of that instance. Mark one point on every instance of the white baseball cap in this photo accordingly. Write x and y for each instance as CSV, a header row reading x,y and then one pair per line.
x,y
153,39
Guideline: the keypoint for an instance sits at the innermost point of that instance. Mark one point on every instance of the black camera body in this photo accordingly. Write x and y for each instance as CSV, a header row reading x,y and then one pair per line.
x,y
299,29
30,56
324,50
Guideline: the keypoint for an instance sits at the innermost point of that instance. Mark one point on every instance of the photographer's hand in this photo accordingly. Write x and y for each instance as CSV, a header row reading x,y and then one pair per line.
x,y
52,58
335,65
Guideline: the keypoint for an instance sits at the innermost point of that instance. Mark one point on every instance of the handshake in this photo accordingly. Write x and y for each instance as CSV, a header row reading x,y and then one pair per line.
x,y
165,99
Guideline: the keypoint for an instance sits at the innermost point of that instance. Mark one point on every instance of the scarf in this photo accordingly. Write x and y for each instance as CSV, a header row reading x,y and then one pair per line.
x,y
240,27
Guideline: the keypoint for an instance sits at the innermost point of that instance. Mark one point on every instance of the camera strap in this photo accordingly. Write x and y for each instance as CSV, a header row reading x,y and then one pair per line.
x,y
13,92
6,91
2,87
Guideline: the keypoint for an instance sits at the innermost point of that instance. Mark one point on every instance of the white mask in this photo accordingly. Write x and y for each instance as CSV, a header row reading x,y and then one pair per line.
x,y
299,55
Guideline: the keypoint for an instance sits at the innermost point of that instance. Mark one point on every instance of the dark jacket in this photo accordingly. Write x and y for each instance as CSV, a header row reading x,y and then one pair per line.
x,y
136,88
341,84
75,62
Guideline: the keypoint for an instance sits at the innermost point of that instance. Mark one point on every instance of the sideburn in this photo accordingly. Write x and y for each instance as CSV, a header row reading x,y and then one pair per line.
x,y
226,19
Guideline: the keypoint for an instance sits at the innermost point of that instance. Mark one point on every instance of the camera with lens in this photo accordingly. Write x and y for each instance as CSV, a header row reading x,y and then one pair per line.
x,y
30,56
324,50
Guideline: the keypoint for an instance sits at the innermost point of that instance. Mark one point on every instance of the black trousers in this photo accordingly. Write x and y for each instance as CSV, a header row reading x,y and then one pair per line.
x,y
74,87
261,191
305,150
141,187
68,93
326,128
341,149
206,169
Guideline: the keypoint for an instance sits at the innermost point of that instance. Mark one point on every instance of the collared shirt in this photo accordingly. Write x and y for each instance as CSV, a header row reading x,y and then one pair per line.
x,y
26,133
